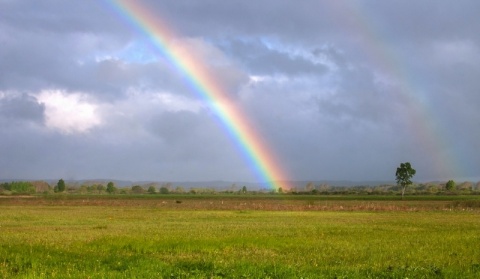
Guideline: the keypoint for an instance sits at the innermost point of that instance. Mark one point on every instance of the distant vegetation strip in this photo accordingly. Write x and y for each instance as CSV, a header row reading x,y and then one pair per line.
x,y
449,188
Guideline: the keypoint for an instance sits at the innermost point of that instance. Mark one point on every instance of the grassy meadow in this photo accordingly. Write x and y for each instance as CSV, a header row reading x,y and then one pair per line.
x,y
241,237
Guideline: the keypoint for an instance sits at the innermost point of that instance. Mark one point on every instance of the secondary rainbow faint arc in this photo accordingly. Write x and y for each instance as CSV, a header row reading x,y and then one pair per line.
x,y
235,122
378,48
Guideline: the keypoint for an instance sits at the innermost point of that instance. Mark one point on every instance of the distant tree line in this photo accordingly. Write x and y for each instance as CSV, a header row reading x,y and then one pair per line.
x,y
109,188
429,188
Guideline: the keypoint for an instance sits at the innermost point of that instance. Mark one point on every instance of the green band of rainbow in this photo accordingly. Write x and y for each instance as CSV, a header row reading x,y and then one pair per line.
x,y
235,122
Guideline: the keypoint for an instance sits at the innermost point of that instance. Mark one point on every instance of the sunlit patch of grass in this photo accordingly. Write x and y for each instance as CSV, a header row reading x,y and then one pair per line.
x,y
48,241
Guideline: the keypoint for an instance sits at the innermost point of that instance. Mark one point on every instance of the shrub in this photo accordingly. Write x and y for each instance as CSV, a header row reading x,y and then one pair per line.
x,y
17,187
137,189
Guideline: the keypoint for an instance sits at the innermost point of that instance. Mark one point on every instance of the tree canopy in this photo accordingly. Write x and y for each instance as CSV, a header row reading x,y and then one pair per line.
x,y
450,185
404,175
60,185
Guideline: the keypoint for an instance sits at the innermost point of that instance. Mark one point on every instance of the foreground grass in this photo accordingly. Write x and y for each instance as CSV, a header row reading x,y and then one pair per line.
x,y
75,241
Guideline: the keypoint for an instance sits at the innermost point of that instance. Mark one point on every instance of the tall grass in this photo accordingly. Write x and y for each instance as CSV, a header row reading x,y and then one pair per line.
x,y
48,241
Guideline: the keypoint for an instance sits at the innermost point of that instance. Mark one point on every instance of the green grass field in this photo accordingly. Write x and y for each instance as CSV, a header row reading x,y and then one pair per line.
x,y
217,237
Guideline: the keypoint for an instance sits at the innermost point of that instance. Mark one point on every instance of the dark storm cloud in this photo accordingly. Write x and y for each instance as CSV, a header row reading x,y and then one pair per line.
x,y
58,17
422,21
21,108
331,86
55,44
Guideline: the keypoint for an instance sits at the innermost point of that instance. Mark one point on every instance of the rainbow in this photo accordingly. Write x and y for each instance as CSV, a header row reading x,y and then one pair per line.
x,y
233,120
376,45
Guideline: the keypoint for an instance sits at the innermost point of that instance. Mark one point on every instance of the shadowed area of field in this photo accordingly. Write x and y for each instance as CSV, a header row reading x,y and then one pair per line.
x,y
260,202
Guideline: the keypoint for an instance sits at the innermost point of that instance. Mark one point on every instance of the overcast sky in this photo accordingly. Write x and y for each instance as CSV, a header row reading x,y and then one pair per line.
x,y
339,90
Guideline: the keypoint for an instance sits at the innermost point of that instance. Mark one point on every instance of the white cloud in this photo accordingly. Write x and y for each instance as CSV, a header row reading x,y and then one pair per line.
x,y
178,103
143,100
68,112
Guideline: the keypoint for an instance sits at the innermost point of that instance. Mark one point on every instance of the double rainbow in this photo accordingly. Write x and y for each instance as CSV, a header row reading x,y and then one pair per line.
x,y
233,120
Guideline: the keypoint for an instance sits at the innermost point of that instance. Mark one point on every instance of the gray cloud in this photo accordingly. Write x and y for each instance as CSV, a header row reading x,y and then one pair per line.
x,y
19,108
337,90
260,59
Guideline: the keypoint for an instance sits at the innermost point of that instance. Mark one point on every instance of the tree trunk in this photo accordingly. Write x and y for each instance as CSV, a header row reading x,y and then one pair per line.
x,y
403,191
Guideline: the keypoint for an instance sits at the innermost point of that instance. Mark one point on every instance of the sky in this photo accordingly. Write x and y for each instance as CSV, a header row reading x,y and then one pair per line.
x,y
337,90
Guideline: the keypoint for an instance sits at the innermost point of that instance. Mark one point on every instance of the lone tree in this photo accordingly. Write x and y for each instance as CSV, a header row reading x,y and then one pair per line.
x,y
450,185
111,188
164,190
60,186
404,175
151,189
